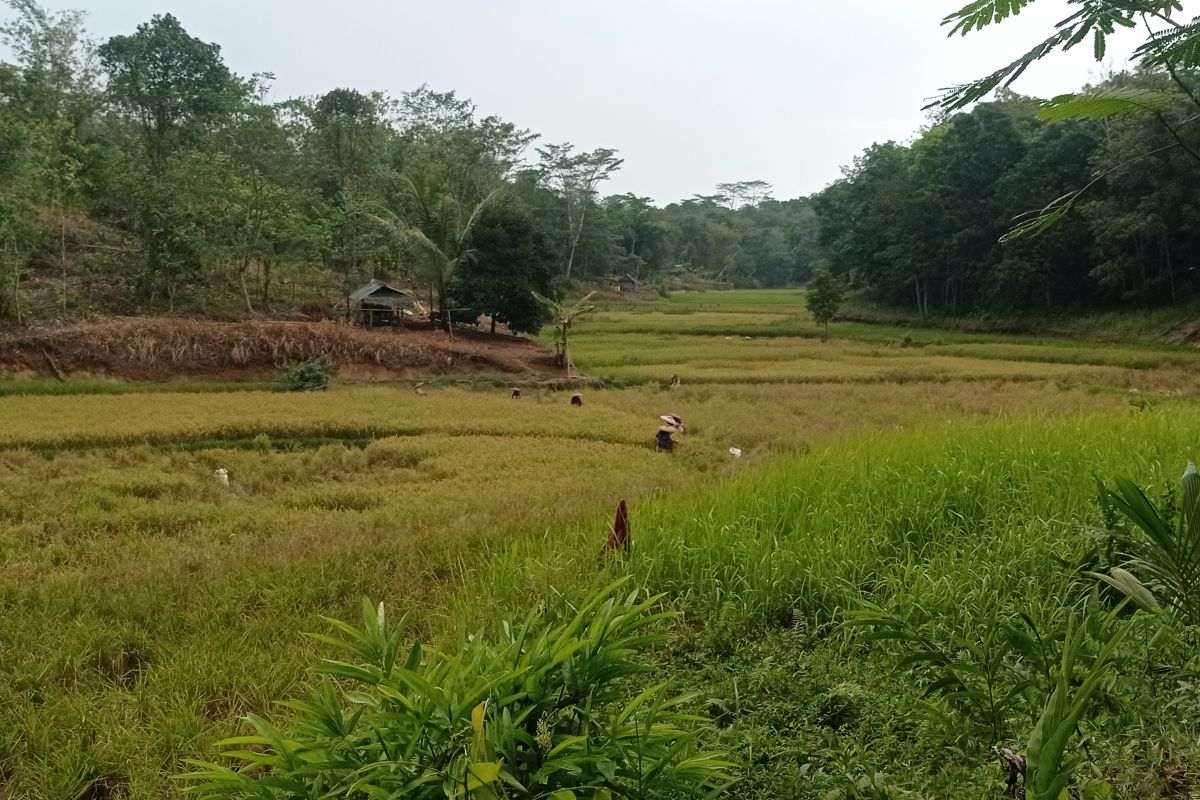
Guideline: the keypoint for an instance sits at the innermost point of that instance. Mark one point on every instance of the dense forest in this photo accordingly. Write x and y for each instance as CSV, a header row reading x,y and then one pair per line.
x,y
141,174
931,225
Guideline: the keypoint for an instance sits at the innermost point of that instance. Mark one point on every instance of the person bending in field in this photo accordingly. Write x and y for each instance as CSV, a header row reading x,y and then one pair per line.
x,y
516,393
663,440
577,399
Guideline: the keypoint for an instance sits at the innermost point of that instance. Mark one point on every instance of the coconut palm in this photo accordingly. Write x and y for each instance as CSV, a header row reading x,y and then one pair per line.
x,y
435,226
1164,560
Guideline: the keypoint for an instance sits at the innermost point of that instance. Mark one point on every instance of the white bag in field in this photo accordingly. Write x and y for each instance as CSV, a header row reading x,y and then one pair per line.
x,y
222,476
736,452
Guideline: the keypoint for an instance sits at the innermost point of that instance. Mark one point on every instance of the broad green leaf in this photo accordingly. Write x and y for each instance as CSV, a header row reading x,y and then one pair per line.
x,y
482,773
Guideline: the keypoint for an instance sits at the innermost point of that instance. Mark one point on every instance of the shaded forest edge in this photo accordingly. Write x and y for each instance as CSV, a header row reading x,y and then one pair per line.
x,y
1177,325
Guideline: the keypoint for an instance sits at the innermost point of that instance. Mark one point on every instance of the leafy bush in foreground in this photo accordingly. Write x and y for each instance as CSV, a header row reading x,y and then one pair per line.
x,y
535,714
310,375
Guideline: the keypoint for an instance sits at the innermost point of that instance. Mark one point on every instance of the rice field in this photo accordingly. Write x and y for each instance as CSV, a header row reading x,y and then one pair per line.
x,y
147,607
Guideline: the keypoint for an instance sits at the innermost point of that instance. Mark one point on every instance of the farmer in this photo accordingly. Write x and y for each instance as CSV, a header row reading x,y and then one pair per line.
x,y
577,399
673,420
516,393
663,440
675,379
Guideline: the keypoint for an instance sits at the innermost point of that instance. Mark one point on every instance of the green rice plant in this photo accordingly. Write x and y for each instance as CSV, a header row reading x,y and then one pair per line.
x,y
1164,560
541,712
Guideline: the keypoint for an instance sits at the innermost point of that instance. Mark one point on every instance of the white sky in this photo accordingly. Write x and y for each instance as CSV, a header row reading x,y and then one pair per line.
x,y
690,92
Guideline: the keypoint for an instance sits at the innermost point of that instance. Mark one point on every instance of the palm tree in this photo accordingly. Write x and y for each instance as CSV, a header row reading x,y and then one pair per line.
x,y
435,226
563,314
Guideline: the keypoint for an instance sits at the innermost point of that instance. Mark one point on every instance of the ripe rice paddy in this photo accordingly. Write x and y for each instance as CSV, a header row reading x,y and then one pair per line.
x,y
146,607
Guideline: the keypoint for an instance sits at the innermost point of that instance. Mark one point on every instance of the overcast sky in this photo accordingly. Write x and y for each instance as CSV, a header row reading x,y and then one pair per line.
x,y
690,92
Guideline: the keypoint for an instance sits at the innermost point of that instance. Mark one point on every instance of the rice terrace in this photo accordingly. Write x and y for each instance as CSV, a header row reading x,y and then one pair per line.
x,y
360,446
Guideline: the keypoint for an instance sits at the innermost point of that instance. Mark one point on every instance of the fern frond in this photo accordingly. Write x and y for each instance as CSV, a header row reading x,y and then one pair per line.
x,y
977,15
1175,48
1036,222
955,98
1122,102
1097,19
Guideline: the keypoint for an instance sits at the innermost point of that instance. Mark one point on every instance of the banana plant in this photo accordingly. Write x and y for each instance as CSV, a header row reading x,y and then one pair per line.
x,y
563,313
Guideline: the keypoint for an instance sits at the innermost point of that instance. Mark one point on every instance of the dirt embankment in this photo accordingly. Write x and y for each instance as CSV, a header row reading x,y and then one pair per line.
x,y
156,348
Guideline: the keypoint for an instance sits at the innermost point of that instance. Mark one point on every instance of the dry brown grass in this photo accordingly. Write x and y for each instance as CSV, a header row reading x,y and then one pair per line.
x,y
154,348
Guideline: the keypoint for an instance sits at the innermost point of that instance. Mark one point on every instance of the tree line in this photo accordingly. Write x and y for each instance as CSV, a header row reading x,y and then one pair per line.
x,y
929,224
141,173
1084,200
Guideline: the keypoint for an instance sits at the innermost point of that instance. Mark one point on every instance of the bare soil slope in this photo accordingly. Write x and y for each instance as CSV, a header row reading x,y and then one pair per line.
x,y
159,348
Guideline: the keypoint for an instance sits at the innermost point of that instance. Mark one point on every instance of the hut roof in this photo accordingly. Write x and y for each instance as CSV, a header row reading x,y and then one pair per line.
x,y
379,292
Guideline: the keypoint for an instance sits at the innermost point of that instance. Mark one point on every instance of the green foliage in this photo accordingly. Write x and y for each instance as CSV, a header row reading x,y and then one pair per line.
x,y
543,711
979,14
1163,550
996,209
824,297
1092,20
1115,102
986,679
310,375
1049,766
563,314
512,260
172,84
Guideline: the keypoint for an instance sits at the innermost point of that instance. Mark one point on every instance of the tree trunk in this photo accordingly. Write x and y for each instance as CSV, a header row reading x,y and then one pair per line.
x,y
62,258
242,281
566,352
493,323
266,284
576,234
1170,267
444,308
10,256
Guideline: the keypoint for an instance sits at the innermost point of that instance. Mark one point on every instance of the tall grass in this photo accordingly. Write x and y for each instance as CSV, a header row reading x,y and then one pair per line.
x,y
950,530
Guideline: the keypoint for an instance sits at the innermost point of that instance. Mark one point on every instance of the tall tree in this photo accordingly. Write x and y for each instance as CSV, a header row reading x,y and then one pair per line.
x,y
575,177
172,83
512,259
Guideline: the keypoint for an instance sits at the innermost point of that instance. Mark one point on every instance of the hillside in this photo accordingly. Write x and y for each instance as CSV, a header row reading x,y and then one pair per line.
x,y
164,348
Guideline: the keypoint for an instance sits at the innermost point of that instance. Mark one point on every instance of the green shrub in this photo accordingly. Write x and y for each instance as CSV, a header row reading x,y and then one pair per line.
x,y
1163,555
541,712
308,376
